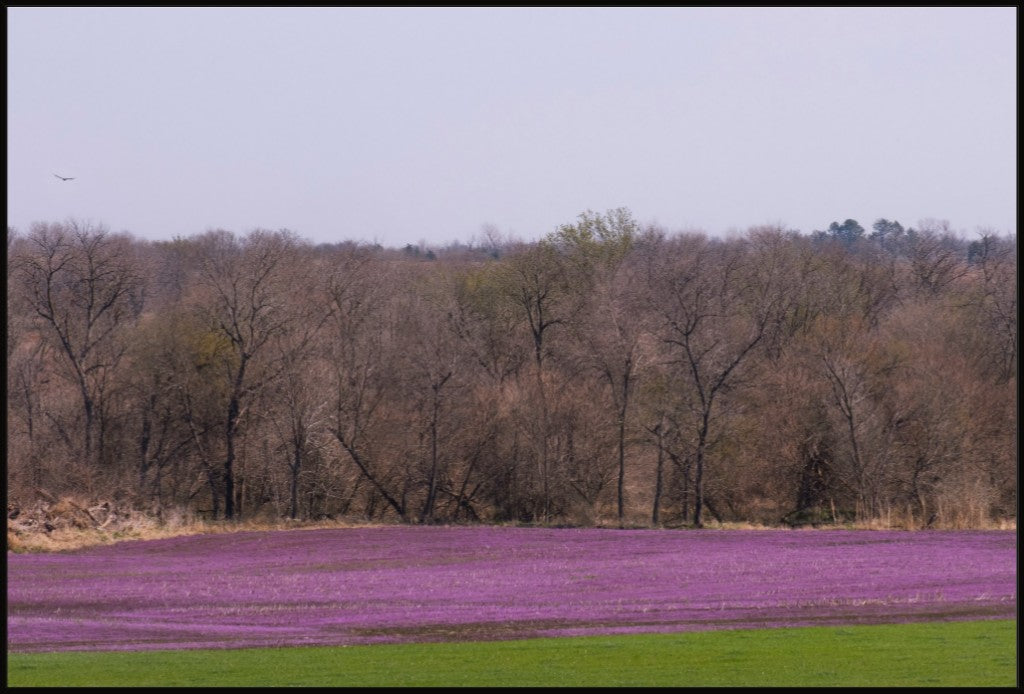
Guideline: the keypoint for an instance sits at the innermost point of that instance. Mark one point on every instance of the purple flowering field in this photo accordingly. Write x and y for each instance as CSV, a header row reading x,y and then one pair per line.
x,y
401,583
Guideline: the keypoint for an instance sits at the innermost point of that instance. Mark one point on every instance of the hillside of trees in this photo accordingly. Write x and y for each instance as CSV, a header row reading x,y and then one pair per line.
x,y
607,374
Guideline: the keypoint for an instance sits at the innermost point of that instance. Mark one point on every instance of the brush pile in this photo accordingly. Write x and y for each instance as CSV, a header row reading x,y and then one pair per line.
x,y
49,523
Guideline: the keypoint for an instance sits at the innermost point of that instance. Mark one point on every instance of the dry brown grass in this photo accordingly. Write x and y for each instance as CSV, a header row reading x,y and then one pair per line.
x,y
66,539
68,524
74,537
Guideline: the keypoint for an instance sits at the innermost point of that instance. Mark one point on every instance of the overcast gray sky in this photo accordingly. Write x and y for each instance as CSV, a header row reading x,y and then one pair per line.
x,y
401,125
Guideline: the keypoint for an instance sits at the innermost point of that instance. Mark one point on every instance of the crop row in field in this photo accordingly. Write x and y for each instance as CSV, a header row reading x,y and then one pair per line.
x,y
402,583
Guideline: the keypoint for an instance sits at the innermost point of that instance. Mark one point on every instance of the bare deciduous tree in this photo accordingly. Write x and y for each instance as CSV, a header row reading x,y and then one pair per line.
x,y
586,378
245,282
721,303
84,288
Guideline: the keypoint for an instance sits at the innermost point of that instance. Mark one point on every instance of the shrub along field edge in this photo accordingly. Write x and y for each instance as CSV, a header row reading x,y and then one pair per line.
x,y
978,653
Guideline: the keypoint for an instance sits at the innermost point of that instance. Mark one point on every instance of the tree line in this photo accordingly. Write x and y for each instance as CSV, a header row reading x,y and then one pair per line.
x,y
608,373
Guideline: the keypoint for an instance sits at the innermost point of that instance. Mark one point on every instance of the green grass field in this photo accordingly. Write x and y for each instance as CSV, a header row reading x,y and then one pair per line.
x,y
981,653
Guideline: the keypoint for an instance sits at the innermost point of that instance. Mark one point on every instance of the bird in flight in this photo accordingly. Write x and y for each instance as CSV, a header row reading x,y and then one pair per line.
x,y
65,178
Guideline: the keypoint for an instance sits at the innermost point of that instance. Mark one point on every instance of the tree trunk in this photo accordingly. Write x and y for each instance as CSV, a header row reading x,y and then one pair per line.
x,y
296,466
698,475
87,407
622,466
398,506
144,440
229,460
234,408
428,506
658,473
622,444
